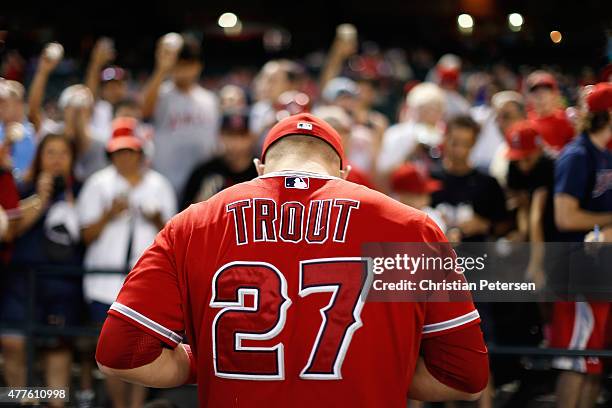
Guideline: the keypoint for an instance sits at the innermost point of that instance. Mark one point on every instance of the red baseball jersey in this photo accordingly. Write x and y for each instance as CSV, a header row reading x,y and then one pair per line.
x,y
266,282
556,129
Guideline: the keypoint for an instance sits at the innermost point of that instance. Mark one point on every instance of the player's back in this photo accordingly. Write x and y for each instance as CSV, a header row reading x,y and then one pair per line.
x,y
275,288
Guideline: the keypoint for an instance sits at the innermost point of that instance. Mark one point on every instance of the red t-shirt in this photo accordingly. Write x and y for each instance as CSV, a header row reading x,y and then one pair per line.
x,y
9,200
265,279
556,129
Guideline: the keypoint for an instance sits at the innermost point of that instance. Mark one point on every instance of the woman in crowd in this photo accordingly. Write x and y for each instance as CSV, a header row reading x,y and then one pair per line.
x,y
47,234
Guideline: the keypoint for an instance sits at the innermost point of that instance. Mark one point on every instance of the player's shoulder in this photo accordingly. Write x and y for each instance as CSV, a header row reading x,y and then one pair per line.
x,y
377,203
219,201
191,218
247,189
375,208
206,214
399,221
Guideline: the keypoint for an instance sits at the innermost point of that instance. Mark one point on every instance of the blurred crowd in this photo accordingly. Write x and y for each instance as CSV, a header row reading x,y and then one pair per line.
x,y
91,171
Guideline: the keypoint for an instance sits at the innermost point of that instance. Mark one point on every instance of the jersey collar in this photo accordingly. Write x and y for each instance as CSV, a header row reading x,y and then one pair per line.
x,y
294,173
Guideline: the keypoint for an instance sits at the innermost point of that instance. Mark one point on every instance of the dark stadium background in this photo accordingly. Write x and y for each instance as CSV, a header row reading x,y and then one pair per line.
x,y
408,24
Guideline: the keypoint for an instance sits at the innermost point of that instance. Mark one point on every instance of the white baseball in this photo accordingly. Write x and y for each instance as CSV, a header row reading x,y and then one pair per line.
x,y
173,41
346,31
54,51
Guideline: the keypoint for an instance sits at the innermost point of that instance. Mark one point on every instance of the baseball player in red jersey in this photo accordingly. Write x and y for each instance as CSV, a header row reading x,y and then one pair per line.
x,y
265,282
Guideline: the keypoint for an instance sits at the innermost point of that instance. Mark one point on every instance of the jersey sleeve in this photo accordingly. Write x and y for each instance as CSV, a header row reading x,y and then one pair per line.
x,y
571,175
151,297
442,317
447,356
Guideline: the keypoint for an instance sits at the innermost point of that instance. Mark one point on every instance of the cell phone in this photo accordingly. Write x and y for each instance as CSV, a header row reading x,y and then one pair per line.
x,y
59,185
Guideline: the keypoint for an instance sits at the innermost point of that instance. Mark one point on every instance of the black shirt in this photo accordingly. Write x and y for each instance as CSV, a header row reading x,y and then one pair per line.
x,y
542,175
475,189
210,177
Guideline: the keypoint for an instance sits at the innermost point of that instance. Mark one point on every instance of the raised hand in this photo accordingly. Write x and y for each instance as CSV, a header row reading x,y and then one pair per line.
x,y
166,55
50,57
103,52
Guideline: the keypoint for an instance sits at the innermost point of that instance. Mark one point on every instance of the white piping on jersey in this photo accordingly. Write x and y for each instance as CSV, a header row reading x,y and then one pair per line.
x,y
584,321
452,323
295,173
145,321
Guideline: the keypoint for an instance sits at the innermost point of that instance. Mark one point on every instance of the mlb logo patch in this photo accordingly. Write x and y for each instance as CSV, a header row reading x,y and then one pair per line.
x,y
301,183
304,125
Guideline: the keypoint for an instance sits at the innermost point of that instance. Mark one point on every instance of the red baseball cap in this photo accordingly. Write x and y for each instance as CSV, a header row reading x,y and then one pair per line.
x,y
448,74
308,125
123,136
408,179
541,78
523,139
599,97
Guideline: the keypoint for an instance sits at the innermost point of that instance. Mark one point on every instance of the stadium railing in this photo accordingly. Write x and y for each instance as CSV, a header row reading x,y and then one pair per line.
x,y
34,330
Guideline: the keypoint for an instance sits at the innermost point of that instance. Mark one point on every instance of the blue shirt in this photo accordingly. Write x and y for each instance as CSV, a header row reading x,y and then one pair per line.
x,y
584,172
23,151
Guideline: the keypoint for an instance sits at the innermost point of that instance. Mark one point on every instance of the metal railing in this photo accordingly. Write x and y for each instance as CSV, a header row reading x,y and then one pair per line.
x,y
34,330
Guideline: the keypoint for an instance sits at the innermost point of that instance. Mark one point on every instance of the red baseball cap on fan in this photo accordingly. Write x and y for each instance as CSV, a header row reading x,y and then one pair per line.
x,y
599,97
408,179
523,139
307,125
448,74
541,79
124,136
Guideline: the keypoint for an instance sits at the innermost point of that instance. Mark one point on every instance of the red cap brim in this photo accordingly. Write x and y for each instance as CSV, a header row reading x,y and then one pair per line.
x,y
432,185
122,143
515,154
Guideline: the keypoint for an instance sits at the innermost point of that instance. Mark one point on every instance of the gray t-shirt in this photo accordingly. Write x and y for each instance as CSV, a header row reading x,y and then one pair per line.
x,y
186,131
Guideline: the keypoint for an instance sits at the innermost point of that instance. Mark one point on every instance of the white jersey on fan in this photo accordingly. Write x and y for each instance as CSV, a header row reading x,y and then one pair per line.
x,y
186,131
110,250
